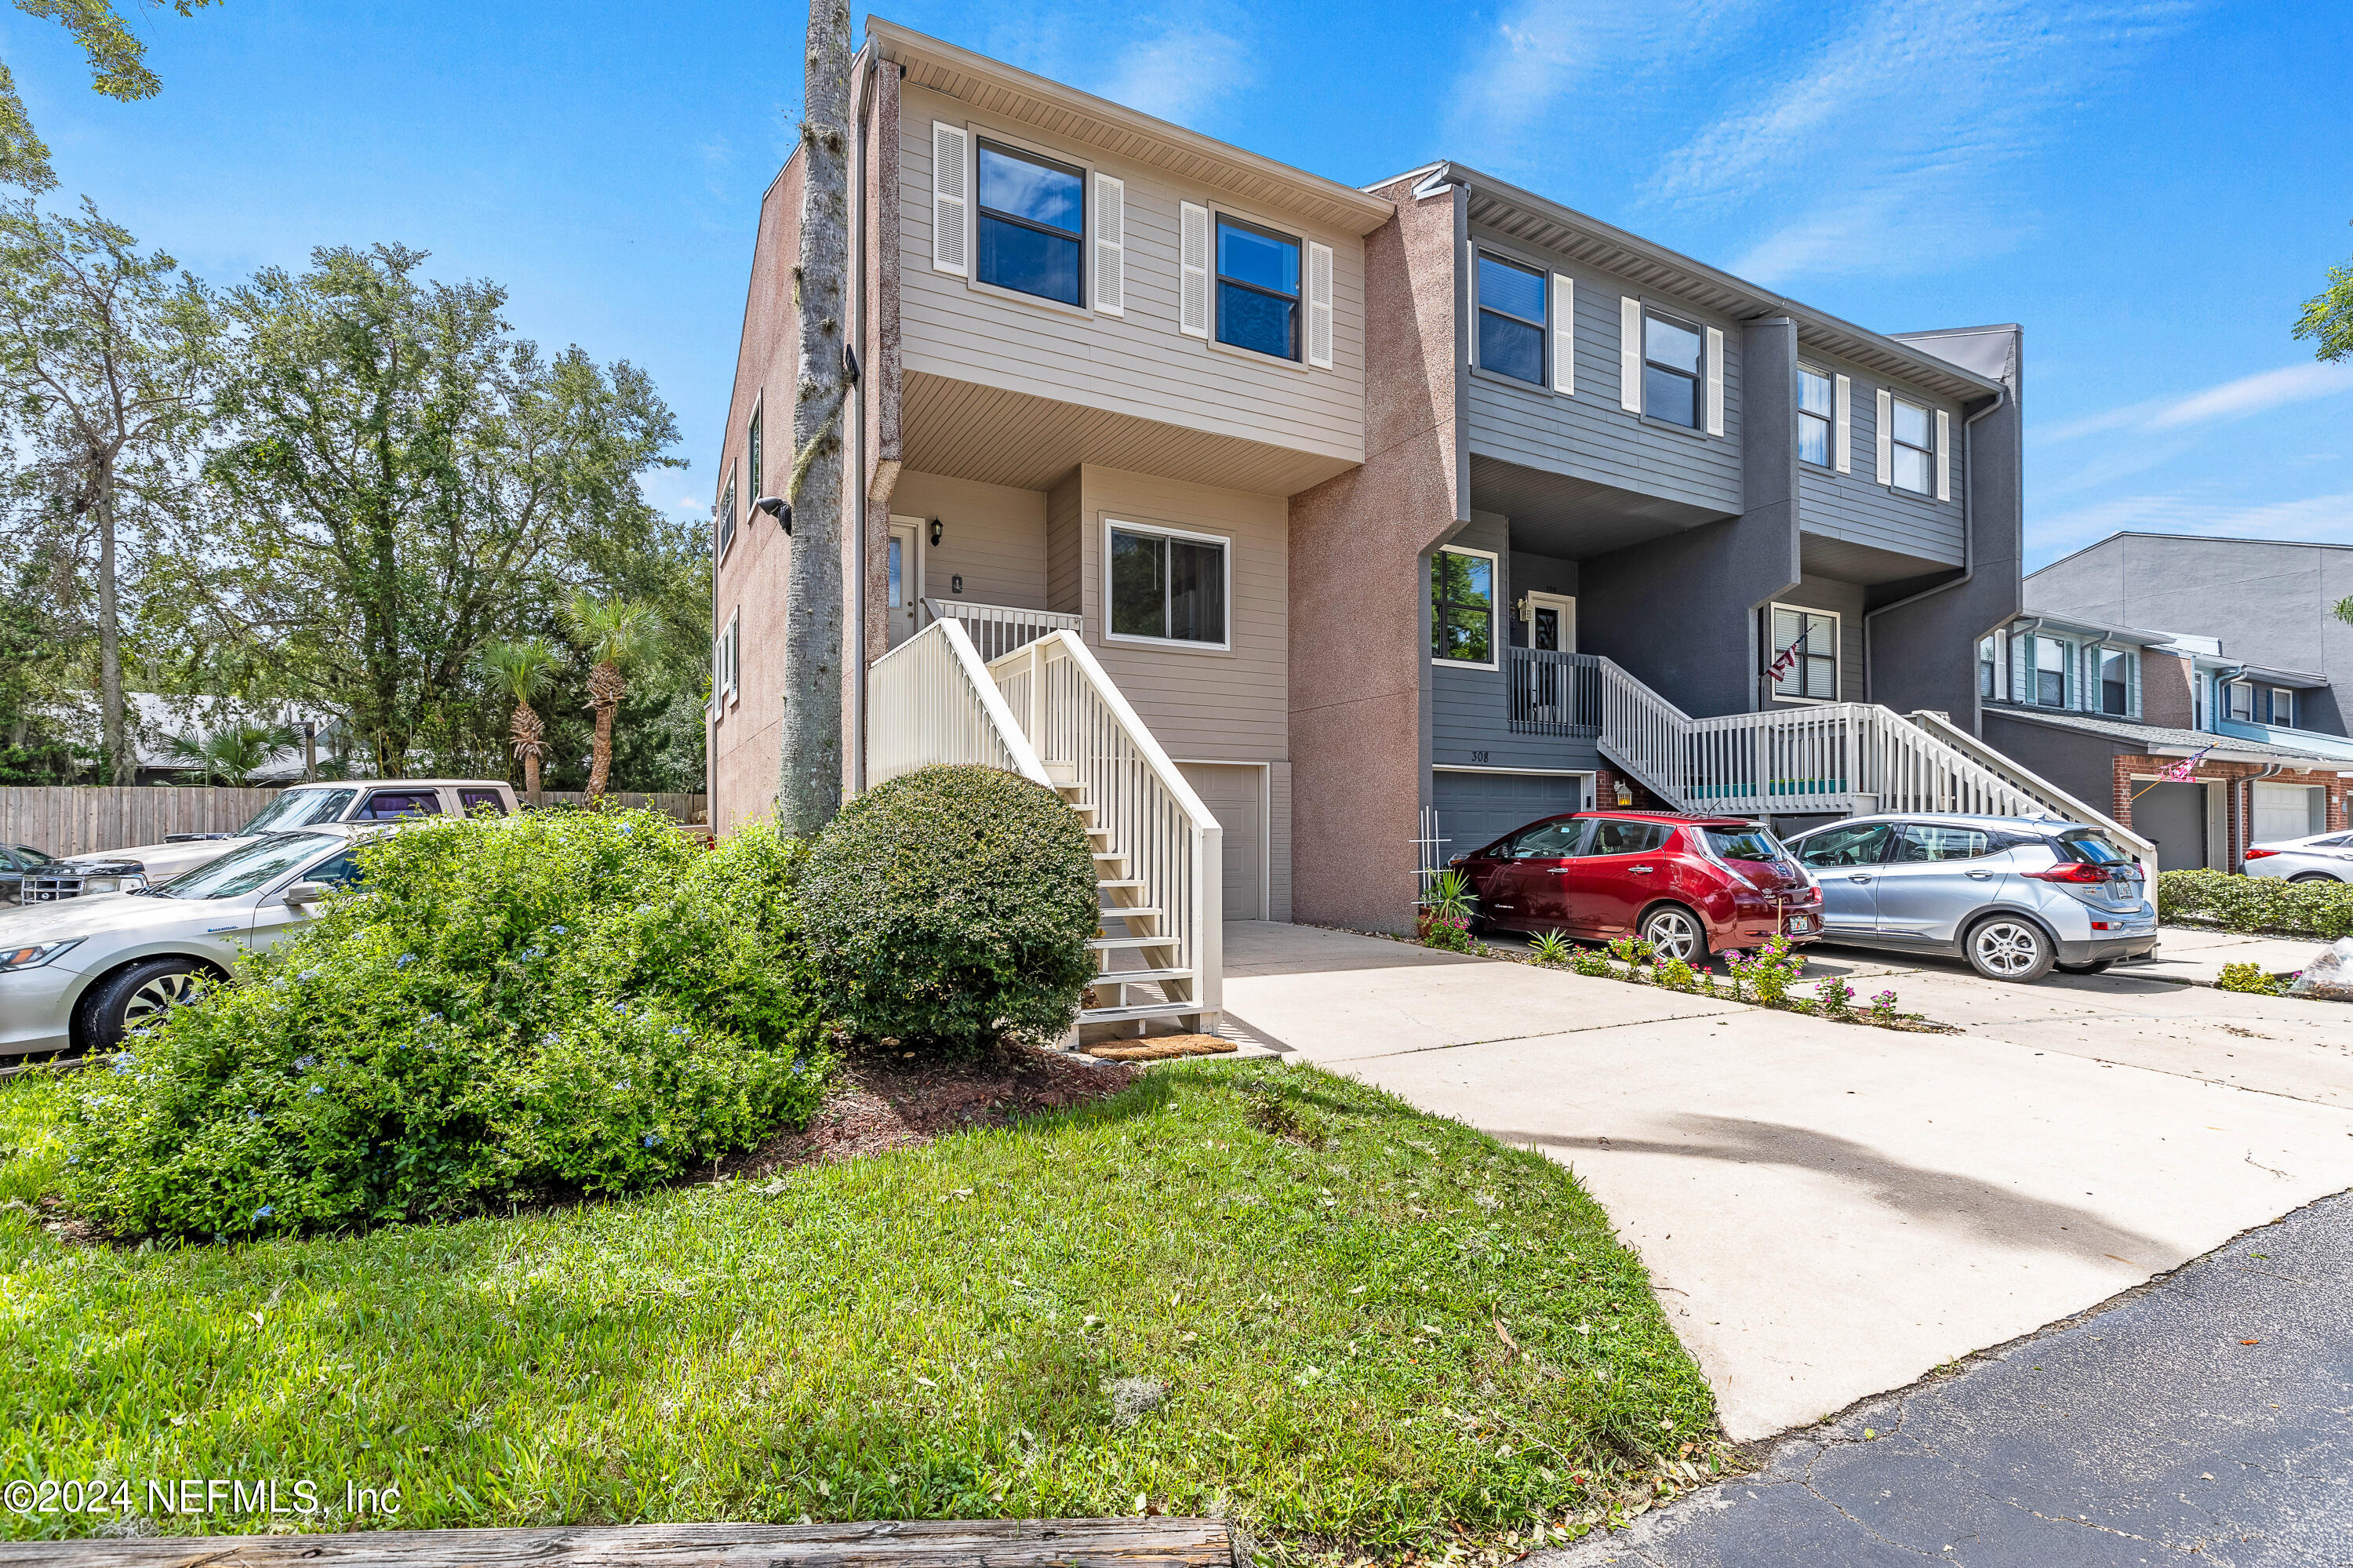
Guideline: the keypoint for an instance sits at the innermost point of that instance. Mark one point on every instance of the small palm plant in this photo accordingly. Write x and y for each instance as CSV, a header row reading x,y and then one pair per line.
x,y
617,634
1551,949
1446,913
231,756
523,671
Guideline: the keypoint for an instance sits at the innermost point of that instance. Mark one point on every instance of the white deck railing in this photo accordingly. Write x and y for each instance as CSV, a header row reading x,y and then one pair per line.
x,y
929,700
1085,733
997,630
1832,758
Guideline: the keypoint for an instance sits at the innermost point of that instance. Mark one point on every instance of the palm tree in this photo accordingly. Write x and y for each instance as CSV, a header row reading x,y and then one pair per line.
x,y
616,632
233,755
523,671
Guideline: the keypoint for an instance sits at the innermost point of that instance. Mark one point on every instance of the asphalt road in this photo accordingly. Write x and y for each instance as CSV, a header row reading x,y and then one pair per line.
x,y
2152,1432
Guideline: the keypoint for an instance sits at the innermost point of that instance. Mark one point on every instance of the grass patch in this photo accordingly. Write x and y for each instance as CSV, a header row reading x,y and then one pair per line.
x,y
1259,1291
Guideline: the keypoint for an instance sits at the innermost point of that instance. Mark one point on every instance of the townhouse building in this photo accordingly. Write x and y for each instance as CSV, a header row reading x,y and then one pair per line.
x,y
1301,535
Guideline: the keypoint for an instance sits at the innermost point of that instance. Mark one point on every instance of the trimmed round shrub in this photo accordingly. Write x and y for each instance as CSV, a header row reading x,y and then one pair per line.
x,y
560,1003
952,907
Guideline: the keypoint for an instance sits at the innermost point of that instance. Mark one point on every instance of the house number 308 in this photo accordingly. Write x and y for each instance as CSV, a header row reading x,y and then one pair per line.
x,y
1478,756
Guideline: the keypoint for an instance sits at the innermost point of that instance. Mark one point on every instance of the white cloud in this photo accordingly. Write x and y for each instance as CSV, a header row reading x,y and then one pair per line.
x,y
1542,52
2235,399
2326,519
1180,75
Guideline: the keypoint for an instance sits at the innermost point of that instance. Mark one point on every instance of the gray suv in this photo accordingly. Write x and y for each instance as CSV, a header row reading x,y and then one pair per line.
x,y
2014,896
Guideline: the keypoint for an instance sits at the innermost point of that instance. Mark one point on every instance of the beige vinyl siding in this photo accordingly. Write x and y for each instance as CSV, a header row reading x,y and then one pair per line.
x,y
1209,704
1855,507
994,538
1063,555
1137,364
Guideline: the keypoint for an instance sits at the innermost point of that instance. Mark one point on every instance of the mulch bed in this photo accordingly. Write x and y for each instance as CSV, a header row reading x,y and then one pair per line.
x,y
884,1098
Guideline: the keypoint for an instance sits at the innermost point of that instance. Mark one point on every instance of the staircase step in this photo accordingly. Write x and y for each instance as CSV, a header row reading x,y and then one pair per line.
x,y
1109,944
1152,1010
1127,977
1131,912
1119,881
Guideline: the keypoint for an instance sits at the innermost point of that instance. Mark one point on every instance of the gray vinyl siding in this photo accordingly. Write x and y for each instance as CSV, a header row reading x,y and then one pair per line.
x,y
1592,435
1138,364
1064,553
1470,719
1856,507
1847,599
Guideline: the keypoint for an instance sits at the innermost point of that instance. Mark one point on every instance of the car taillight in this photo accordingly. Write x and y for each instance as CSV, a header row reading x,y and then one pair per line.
x,y
2070,871
2260,853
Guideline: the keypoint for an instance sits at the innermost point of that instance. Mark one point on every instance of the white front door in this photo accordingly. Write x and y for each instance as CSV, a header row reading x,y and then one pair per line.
x,y
1552,622
904,569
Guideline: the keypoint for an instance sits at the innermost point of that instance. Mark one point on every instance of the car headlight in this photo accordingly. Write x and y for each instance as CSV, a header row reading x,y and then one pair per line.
x,y
112,883
37,955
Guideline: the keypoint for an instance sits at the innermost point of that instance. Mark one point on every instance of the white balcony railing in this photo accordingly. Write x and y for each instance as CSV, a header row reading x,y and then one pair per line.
x,y
997,630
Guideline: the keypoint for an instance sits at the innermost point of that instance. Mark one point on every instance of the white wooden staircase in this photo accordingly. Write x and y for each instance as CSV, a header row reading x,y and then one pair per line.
x,y
1047,711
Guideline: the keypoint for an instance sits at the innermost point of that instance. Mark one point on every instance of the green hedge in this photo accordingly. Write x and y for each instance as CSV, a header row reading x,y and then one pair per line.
x,y
953,906
565,1002
2323,909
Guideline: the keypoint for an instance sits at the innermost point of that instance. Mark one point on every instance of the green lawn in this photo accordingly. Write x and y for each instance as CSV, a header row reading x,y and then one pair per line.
x,y
1315,1274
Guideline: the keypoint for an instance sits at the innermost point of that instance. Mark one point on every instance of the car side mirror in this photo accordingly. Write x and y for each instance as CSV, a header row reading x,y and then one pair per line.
x,y
302,892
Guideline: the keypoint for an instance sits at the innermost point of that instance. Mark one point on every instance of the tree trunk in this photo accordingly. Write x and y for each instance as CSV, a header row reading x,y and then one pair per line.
x,y
808,790
527,731
115,741
606,689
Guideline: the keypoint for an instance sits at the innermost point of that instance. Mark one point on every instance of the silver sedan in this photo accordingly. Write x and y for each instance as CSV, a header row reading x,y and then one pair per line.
x,y
2323,857
85,972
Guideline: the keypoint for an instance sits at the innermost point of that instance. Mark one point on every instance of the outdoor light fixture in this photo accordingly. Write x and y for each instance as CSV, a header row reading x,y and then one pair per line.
x,y
776,507
936,530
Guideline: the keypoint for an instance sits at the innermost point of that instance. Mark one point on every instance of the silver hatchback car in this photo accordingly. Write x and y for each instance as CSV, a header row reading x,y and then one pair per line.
x,y
2014,896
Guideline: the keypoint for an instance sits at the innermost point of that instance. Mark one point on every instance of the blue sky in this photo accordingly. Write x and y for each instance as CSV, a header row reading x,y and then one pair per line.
x,y
2150,188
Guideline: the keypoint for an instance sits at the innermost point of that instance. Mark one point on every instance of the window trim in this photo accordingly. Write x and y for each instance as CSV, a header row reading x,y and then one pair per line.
x,y
1830,420
753,434
1837,654
1896,443
732,640
723,519
1698,427
1185,644
1220,216
2068,653
2128,662
1480,251
974,132
1494,604
2289,693
2230,691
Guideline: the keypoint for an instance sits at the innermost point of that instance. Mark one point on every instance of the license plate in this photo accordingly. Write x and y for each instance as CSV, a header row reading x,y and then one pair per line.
x,y
1801,923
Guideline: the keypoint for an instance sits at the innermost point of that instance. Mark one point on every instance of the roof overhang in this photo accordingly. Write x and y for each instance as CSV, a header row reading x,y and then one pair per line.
x,y
1546,225
1080,117
2299,679
2226,748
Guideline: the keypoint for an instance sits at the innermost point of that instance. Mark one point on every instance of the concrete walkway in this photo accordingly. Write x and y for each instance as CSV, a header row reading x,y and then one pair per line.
x,y
1830,1211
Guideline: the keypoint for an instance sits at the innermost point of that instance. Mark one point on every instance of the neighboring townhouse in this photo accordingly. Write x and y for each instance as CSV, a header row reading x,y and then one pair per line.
x,y
2112,714
1100,354
1615,495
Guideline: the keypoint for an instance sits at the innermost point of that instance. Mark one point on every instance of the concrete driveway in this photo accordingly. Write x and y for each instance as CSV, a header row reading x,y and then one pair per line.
x,y
1830,1211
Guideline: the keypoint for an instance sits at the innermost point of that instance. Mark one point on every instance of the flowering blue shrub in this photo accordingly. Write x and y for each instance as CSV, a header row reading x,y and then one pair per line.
x,y
565,1002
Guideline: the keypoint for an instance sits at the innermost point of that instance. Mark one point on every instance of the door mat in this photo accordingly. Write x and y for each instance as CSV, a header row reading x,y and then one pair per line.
x,y
1163,1048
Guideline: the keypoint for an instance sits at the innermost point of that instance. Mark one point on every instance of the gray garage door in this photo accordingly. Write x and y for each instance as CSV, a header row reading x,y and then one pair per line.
x,y
2173,817
1475,809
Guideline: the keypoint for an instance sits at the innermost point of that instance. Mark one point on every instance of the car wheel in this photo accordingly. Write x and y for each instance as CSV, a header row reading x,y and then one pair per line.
x,y
2007,947
140,995
1675,932
2311,876
2099,968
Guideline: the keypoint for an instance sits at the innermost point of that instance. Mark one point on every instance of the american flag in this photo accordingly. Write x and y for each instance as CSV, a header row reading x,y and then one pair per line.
x,y
1785,661
2180,771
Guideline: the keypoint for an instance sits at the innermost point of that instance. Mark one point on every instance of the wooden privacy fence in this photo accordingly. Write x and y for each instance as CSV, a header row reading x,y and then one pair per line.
x,y
88,819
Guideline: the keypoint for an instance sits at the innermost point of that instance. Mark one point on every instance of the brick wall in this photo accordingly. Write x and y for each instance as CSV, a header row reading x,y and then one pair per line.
x,y
1605,783
2133,773
2165,690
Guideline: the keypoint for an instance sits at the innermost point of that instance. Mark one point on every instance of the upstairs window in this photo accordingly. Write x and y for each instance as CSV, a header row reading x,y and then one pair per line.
x,y
2115,682
1814,418
1671,368
1462,607
1511,320
1032,216
1810,640
2283,708
752,452
723,521
1167,586
2242,702
2049,673
1258,290
1913,448
1987,666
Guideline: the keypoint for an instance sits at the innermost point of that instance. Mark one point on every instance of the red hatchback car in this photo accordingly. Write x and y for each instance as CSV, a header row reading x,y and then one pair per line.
x,y
1688,886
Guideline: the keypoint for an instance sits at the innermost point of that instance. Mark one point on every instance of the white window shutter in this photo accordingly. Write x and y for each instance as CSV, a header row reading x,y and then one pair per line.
x,y
1715,381
1630,353
1111,246
1564,335
1193,269
1943,455
1886,434
951,200
1843,426
1319,305
2132,684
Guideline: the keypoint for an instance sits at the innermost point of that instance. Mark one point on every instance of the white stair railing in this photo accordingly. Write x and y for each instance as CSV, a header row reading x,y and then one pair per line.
x,y
1830,758
931,701
1171,848
998,629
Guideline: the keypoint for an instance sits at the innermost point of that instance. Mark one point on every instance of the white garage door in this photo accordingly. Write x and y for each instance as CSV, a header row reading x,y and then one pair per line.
x,y
2288,812
1236,796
